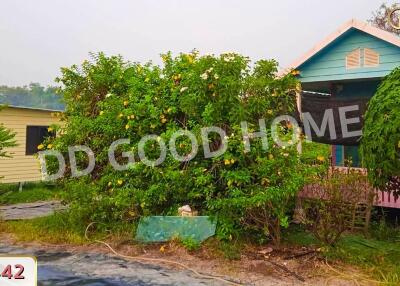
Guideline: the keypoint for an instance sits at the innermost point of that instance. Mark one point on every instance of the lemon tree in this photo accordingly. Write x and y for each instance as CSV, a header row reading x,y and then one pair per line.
x,y
108,99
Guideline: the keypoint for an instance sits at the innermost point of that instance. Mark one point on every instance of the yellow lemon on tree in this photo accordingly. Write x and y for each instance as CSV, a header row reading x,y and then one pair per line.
x,y
126,103
120,182
189,58
40,147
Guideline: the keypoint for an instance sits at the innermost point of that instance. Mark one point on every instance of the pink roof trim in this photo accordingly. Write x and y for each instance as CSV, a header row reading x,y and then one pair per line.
x,y
362,26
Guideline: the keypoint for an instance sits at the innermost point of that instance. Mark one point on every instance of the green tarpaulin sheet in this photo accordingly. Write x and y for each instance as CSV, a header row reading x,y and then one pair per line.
x,y
164,228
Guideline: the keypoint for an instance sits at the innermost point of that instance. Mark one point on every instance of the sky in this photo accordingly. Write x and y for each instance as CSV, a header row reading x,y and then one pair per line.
x,y
39,37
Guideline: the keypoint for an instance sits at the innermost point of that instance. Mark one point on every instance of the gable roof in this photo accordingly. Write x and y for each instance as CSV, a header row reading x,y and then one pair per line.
x,y
352,24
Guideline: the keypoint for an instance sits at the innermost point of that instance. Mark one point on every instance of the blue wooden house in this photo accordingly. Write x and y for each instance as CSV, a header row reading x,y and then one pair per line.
x,y
351,62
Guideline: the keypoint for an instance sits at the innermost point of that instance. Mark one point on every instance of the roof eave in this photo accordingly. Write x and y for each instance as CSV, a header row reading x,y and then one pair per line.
x,y
32,108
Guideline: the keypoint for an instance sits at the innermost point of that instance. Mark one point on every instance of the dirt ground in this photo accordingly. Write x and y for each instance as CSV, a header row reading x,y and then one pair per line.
x,y
256,266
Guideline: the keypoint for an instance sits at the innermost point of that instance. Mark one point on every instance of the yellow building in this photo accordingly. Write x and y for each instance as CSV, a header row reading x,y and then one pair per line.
x,y
31,126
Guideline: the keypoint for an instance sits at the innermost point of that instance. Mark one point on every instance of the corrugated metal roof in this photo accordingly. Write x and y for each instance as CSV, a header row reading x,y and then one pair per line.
x,y
33,108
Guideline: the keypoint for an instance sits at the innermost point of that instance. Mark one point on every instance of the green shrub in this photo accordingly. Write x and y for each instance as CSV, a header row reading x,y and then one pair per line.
x,y
109,99
7,140
380,142
382,230
191,244
339,197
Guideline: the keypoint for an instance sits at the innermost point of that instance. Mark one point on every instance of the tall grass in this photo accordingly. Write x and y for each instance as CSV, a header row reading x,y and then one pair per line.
x,y
31,192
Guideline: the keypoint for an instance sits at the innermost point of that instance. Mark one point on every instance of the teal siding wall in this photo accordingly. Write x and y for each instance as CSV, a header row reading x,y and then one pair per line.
x,y
358,88
330,63
342,153
353,89
338,153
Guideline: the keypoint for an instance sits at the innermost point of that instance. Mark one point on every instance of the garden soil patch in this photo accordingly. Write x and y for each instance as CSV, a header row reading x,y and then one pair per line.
x,y
253,268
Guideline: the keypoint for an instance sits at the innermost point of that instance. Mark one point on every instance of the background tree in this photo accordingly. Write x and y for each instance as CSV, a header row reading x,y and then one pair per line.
x,y
33,95
380,18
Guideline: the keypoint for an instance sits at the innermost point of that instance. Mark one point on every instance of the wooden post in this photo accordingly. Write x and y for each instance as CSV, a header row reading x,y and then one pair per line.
x,y
20,185
298,102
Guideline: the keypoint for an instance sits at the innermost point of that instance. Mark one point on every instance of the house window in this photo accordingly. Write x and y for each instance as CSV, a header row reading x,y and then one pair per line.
x,y
353,59
351,154
371,58
35,136
345,154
